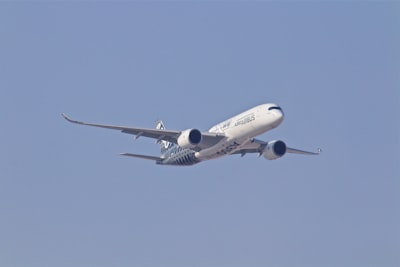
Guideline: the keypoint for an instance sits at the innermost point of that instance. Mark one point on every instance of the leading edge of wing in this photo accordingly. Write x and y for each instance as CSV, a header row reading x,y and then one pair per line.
x,y
209,139
302,152
167,135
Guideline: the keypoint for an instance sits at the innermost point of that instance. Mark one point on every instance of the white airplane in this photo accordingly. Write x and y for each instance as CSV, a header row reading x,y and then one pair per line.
x,y
233,136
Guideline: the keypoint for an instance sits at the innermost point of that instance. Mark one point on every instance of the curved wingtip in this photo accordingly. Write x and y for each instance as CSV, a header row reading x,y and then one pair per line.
x,y
65,117
68,118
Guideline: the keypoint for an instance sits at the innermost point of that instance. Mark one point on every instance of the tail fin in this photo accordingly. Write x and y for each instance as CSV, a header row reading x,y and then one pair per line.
x,y
164,145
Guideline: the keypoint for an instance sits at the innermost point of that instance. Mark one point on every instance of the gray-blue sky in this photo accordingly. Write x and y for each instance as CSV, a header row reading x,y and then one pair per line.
x,y
68,199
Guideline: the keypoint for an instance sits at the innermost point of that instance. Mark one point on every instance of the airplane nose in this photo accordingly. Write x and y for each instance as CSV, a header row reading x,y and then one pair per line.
x,y
278,116
276,113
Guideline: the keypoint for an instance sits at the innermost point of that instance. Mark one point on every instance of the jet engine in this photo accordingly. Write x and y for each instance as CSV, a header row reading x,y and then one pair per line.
x,y
274,149
189,138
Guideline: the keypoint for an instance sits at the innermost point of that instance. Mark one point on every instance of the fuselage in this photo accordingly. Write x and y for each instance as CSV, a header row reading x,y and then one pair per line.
x,y
237,131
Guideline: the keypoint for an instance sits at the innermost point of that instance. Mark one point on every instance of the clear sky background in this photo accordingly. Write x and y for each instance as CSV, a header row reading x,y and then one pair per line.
x,y
68,199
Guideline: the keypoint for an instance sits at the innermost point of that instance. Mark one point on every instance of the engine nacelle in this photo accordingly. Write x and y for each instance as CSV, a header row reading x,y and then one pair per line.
x,y
189,138
274,150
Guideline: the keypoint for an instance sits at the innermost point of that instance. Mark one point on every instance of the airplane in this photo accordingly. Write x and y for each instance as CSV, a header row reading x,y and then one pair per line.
x,y
235,135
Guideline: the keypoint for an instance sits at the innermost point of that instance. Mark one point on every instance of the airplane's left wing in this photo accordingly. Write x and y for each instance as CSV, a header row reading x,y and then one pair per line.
x,y
209,139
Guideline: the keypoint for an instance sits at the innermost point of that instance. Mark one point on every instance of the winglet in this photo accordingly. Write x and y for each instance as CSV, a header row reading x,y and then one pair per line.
x,y
69,119
66,117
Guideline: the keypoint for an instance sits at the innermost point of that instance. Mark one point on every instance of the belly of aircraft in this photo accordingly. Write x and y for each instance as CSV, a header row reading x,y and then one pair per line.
x,y
220,150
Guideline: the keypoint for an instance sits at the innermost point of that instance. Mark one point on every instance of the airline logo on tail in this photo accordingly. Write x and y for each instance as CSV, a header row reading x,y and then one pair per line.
x,y
164,145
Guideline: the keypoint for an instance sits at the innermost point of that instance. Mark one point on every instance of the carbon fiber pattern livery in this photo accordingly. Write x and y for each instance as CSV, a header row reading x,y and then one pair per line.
x,y
180,156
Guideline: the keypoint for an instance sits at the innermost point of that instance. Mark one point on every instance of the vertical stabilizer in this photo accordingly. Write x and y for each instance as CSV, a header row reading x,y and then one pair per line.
x,y
164,145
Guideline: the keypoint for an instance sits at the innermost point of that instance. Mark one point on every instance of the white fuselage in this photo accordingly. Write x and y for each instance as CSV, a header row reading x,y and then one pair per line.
x,y
238,131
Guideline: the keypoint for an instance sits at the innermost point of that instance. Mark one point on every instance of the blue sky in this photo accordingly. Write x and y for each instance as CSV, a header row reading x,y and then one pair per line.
x,y
68,199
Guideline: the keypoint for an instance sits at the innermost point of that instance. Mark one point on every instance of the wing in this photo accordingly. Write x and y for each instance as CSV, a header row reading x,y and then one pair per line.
x,y
209,139
166,135
258,146
302,152
253,146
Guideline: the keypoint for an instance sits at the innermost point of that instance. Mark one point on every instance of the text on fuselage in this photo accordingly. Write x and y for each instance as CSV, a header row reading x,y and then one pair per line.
x,y
248,118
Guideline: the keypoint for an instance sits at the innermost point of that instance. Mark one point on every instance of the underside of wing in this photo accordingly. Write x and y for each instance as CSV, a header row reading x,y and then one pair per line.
x,y
166,135
253,146
208,139
278,147
302,152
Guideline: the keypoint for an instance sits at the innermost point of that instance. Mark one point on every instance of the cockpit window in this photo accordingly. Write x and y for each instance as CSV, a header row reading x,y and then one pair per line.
x,y
278,108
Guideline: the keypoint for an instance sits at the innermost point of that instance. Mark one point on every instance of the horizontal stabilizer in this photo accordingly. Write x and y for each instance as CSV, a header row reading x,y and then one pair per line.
x,y
142,156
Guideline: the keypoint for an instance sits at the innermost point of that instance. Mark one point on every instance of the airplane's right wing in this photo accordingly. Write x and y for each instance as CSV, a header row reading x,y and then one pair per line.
x,y
259,146
208,139
302,152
